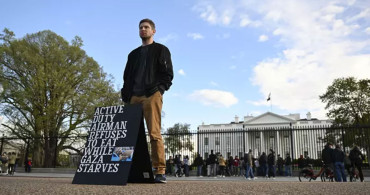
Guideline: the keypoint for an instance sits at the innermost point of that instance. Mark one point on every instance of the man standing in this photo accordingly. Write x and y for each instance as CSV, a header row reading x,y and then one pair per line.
x,y
4,163
212,163
271,160
280,164
169,166
263,164
249,164
12,158
327,156
288,165
222,164
356,158
199,163
338,159
148,74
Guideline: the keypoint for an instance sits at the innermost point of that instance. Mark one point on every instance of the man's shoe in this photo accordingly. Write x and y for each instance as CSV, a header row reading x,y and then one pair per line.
x,y
159,178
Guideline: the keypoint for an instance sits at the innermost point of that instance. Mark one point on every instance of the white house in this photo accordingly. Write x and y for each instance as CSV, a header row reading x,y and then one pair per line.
x,y
282,133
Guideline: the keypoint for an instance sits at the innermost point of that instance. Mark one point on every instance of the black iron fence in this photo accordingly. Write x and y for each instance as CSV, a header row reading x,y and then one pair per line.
x,y
296,141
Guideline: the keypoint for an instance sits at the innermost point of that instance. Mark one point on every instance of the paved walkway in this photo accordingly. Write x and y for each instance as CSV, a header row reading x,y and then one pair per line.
x,y
56,184
191,178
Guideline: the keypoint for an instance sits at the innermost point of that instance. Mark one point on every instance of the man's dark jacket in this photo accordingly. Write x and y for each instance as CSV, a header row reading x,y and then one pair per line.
x,y
158,72
263,159
338,155
212,159
288,160
198,161
327,155
271,159
356,156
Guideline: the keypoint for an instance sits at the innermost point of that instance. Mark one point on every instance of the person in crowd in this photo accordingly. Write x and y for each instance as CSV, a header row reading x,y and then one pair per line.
x,y
227,171
222,165
263,164
212,163
175,160
249,164
327,156
217,169
208,164
199,163
169,165
338,160
307,160
356,158
288,165
28,165
4,163
271,160
280,164
204,168
256,166
347,163
186,166
242,167
11,166
230,163
16,163
301,162
236,166
178,163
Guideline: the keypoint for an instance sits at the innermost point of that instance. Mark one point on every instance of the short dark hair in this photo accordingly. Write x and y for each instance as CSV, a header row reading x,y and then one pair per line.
x,y
149,21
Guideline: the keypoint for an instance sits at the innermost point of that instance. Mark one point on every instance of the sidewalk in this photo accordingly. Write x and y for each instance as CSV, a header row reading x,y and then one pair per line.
x,y
171,178
46,183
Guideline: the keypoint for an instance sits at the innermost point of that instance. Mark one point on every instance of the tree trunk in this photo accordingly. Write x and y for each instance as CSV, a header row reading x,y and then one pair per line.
x,y
37,153
50,144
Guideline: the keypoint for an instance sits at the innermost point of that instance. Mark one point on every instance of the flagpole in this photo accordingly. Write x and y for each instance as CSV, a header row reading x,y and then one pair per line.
x,y
270,105
269,99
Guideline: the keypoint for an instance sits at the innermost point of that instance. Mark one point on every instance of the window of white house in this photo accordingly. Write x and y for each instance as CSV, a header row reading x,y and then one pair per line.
x,y
257,144
272,142
286,143
217,141
228,140
240,141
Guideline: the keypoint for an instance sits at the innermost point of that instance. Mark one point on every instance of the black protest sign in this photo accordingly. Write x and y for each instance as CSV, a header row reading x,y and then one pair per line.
x,y
116,143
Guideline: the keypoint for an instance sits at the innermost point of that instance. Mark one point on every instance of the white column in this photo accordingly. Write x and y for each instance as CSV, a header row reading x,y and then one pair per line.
x,y
278,143
262,142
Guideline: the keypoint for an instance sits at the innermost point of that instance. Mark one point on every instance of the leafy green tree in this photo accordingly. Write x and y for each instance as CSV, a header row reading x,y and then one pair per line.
x,y
178,138
348,101
49,89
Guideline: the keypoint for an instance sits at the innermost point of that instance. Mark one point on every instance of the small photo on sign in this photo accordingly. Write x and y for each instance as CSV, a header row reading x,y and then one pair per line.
x,y
122,154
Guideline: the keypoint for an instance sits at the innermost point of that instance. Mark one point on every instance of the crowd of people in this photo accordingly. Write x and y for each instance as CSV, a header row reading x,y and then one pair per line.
x,y
266,165
9,162
335,159
245,166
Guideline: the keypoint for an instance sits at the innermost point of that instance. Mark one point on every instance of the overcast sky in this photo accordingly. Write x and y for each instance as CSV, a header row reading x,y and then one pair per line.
x,y
227,55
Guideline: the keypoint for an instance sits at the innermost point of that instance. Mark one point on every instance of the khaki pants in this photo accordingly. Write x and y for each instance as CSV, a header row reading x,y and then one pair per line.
x,y
152,108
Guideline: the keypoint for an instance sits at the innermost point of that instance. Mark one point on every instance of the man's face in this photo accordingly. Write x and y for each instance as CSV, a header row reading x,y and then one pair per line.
x,y
146,31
